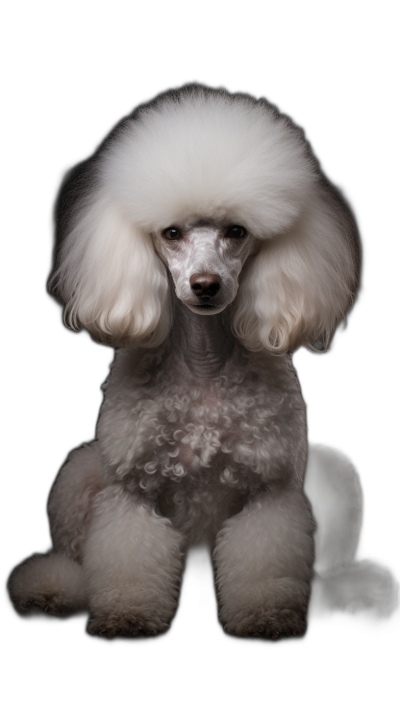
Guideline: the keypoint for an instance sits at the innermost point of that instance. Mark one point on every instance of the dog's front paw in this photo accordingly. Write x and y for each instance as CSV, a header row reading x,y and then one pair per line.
x,y
271,608
118,625
271,623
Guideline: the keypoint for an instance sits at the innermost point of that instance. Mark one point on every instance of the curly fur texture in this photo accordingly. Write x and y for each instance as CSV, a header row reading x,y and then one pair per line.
x,y
203,240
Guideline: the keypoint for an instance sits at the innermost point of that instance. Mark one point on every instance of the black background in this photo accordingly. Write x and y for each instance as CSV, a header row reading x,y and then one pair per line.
x,y
70,80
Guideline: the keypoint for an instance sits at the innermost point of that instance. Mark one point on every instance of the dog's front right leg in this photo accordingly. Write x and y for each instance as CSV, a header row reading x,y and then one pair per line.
x,y
132,564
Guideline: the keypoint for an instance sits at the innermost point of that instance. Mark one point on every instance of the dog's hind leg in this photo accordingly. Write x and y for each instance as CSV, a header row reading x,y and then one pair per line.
x,y
55,581
71,500
52,582
333,486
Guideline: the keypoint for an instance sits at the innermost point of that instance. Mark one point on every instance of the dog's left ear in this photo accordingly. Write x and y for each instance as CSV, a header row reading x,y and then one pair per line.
x,y
301,285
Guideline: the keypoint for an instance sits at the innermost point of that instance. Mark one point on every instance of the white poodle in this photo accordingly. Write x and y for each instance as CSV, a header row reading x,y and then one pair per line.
x,y
204,242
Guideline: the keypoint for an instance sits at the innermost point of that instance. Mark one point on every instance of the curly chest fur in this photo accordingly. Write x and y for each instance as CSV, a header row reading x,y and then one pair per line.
x,y
239,430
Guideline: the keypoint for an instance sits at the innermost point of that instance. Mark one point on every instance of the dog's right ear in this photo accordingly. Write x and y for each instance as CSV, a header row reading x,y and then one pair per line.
x,y
106,272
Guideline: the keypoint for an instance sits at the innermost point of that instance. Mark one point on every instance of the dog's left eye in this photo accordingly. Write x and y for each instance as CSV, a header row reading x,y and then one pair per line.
x,y
236,232
172,233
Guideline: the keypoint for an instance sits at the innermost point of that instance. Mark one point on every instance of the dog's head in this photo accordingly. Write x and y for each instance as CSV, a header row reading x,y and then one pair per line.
x,y
223,193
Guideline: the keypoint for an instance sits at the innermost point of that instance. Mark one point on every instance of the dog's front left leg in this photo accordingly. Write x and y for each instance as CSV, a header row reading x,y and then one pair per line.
x,y
264,566
132,564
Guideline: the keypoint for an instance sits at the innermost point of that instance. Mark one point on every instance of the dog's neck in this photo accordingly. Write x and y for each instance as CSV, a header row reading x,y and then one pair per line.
x,y
203,342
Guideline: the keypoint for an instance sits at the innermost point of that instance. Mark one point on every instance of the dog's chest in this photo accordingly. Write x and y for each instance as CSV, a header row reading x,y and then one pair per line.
x,y
225,430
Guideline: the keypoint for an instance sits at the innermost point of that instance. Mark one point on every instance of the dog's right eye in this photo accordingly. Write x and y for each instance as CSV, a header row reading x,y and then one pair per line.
x,y
172,233
236,232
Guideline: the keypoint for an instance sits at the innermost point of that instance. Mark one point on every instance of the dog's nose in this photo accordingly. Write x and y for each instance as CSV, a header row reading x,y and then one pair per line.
x,y
205,284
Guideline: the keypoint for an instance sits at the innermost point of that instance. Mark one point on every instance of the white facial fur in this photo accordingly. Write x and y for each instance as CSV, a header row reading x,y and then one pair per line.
x,y
204,248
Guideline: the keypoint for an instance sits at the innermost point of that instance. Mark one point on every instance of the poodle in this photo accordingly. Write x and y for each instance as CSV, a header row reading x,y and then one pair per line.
x,y
203,241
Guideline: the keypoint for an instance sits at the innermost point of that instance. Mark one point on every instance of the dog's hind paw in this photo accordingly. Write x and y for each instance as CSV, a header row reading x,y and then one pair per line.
x,y
51,604
51,582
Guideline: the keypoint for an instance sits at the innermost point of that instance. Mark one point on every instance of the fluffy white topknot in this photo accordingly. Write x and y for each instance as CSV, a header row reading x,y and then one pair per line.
x,y
210,155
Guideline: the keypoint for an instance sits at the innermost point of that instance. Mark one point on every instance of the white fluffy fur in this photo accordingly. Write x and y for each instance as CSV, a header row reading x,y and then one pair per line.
x,y
224,158
202,433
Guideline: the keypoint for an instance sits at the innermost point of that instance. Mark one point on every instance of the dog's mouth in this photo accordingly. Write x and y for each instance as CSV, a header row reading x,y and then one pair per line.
x,y
205,308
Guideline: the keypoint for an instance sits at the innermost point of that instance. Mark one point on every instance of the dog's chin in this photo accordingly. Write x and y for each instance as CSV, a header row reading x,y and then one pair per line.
x,y
205,309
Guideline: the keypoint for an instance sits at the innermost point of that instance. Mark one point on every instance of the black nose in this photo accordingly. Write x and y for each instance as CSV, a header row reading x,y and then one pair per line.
x,y
205,284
